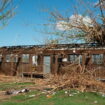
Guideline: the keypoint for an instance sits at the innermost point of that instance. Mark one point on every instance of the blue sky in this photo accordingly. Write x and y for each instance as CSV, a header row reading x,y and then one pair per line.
x,y
24,28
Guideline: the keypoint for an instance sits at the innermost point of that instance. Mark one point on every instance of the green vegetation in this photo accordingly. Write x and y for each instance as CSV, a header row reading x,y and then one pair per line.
x,y
15,85
60,98
39,98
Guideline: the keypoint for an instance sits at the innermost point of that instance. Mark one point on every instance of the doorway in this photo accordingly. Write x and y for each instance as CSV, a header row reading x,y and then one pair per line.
x,y
47,65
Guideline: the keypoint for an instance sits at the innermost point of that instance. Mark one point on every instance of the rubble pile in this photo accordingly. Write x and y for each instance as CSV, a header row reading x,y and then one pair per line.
x,y
74,76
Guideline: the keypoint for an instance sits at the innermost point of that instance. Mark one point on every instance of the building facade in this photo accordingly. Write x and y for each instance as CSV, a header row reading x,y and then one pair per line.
x,y
45,59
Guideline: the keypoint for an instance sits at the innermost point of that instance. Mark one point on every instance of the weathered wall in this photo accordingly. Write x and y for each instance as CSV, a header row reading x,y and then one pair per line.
x,y
13,68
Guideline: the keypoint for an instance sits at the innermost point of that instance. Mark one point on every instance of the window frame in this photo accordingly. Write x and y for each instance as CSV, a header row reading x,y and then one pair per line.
x,y
8,58
25,58
98,59
72,58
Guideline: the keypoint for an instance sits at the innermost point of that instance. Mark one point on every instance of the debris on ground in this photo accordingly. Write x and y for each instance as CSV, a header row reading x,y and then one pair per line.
x,y
70,77
95,102
74,77
32,96
14,92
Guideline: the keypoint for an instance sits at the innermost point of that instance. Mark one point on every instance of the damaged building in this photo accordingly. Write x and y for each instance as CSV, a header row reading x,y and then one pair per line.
x,y
49,59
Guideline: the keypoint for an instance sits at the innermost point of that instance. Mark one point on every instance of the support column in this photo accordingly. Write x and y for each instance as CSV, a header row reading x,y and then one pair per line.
x,y
56,64
104,59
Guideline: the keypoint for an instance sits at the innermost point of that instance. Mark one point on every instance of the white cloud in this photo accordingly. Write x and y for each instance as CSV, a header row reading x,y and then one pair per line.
x,y
75,20
79,20
62,25
88,21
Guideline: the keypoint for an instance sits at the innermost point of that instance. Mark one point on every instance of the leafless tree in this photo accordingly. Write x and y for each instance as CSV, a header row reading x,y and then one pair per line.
x,y
6,11
78,27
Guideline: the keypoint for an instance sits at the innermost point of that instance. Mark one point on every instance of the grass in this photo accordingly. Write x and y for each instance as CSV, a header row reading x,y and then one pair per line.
x,y
60,98
15,85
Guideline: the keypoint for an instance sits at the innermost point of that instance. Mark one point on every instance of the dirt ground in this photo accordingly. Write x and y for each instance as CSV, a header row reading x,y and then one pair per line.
x,y
36,84
52,83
